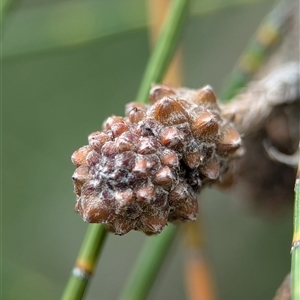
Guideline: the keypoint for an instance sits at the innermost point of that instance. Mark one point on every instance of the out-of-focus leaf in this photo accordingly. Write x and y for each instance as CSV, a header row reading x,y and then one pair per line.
x,y
4,5
70,24
207,6
20,280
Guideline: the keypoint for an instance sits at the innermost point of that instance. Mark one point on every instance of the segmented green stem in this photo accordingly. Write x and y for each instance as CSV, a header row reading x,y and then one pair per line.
x,y
268,34
295,272
147,267
156,248
86,262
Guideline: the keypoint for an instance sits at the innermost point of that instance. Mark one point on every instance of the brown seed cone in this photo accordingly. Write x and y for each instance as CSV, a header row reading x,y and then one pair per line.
x,y
145,169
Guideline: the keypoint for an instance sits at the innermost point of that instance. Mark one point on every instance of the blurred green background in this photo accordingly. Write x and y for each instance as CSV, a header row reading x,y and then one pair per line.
x,y
66,66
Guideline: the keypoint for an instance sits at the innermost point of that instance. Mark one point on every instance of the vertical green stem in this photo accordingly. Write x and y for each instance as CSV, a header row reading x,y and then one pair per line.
x,y
156,248
148,264
295,272
164,49
86,262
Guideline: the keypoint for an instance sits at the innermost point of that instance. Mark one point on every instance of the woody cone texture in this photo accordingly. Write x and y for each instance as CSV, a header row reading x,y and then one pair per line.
x,y
146,168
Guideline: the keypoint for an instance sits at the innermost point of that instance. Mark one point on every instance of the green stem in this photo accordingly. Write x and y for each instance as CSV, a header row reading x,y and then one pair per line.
x,y
295,272
268,34
86,262
164,49
148,264
156,248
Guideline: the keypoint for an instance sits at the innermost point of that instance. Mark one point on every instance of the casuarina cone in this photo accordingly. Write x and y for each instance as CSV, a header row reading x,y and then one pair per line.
x,y
145,169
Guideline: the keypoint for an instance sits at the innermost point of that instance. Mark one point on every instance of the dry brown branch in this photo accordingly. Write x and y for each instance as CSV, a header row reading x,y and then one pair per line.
x,y
284,291
251,108
267,114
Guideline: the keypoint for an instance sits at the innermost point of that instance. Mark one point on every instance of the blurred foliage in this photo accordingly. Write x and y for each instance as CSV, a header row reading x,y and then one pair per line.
x,y
52,100
68,24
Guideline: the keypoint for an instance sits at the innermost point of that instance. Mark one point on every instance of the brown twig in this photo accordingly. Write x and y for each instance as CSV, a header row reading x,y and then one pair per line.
x,y
249,109
284,291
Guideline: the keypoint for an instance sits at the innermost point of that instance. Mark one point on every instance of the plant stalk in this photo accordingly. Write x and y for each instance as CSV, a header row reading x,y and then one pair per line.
x,y
148,264
164,49
295,250
198,275
267,36
86,262
156,248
